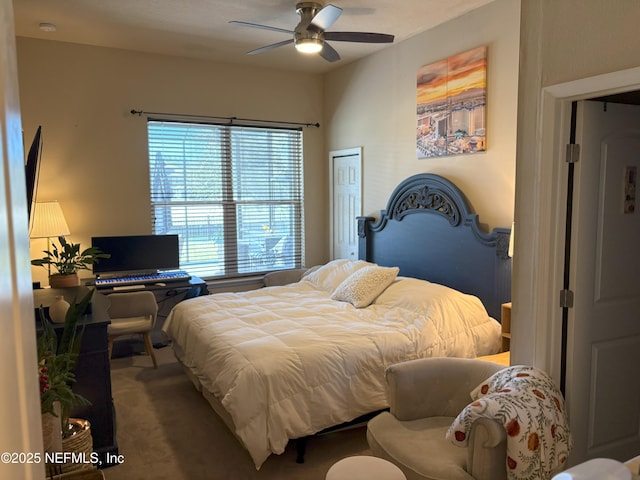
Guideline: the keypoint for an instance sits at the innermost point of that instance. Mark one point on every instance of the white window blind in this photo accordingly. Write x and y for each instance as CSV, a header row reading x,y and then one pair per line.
x,y
233,194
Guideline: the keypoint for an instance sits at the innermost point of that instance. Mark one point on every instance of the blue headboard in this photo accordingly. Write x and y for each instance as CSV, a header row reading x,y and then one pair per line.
x,y
429,231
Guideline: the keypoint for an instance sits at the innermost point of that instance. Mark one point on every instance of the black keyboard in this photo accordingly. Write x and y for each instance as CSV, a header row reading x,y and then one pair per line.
x,y
136,281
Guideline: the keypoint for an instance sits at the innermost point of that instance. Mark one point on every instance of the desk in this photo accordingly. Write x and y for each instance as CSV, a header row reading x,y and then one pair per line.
x,y
93,370
167,296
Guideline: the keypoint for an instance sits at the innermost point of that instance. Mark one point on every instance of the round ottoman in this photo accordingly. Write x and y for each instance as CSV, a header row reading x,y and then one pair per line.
x,y
364,468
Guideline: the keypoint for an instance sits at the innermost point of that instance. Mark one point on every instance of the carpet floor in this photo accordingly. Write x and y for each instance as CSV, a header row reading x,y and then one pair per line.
x,y
167,430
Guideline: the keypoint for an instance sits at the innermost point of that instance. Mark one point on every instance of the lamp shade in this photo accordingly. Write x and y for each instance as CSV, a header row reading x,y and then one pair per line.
x,y
48,221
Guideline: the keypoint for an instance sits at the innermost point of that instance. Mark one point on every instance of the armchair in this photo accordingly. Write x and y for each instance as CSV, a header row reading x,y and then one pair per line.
x,y
283,277
425,397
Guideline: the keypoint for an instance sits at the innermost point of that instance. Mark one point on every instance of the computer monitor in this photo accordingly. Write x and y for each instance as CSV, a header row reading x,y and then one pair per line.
x,y
137,254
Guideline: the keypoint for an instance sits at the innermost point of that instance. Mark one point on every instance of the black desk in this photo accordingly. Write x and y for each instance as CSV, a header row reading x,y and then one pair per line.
x,y
167,296
93,370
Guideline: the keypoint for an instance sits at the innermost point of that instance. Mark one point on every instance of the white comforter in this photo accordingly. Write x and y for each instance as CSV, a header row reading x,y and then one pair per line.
x,y
288,361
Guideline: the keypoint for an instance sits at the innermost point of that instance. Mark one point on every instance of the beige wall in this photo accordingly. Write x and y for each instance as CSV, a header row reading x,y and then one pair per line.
x,y
562,41
583,38
372,103
94,159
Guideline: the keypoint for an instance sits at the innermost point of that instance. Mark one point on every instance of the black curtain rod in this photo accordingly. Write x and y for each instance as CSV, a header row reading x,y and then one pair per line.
x,y
229,119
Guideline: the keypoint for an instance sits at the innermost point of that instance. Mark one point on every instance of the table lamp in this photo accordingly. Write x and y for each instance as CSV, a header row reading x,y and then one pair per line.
x,y
48,221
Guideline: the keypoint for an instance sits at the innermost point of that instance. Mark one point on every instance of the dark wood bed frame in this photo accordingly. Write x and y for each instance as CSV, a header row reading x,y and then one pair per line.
x,y
430,232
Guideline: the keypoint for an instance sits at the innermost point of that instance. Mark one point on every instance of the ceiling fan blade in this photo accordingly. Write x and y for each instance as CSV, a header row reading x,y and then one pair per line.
x,y
326,17
329,53
363,37
269,47
263,27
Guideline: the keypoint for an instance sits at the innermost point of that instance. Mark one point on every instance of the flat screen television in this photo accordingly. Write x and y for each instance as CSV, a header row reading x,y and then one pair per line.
x,y
137,254
31,169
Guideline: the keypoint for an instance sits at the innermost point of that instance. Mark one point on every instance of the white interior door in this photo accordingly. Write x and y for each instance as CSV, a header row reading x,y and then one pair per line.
x,y
603,348
346,199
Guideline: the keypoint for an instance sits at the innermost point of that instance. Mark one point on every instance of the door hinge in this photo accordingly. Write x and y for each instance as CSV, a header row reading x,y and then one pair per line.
x,y
566,299
573,152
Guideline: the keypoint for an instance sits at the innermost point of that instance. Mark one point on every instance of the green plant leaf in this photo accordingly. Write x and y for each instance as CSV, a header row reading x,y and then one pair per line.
x,y
60,359
69,334
67,258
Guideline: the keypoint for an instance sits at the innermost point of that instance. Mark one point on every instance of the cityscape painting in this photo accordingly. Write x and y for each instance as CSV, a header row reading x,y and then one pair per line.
x,y
451,105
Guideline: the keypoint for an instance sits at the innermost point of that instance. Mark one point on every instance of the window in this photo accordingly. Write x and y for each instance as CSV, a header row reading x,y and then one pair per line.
x,y
233,194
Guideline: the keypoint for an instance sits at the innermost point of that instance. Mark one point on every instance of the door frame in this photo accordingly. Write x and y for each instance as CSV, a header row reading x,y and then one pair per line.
x,y
346,152
541,192
547,228
20,404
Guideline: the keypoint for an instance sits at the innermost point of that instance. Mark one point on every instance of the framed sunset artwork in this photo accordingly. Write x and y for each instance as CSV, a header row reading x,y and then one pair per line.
x,y
451,105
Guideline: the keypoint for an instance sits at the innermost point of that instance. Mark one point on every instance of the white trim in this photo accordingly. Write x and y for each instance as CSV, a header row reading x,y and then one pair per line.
x,y
598,85
550,195
555,129
19,398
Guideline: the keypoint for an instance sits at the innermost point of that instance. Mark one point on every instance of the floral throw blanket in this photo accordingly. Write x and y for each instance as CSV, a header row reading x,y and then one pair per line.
x,y
526,401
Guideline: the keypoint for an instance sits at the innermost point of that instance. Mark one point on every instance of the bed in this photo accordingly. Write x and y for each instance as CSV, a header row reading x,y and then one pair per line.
x,y
286,362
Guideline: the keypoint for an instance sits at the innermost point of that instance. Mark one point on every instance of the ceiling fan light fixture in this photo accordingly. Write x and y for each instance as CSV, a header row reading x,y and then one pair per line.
x,y
310,33
309,45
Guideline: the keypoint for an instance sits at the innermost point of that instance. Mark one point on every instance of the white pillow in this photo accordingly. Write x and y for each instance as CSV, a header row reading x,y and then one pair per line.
x,y
362,287
331,274
422,297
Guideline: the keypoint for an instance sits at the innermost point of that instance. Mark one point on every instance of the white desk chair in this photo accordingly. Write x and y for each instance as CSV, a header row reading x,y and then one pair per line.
x,y
133,313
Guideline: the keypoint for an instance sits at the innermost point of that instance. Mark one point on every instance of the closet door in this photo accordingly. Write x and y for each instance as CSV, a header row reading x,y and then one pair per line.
x,y
346,202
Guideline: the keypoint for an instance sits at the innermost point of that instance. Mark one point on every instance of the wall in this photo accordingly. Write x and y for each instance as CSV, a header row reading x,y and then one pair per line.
x,y
94,159
372,103
562,41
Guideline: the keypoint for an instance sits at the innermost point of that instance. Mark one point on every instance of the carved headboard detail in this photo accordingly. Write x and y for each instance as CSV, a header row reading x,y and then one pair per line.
x,y
430,199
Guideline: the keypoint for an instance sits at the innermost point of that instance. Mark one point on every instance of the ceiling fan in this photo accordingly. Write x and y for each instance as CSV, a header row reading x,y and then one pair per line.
x,y
310,34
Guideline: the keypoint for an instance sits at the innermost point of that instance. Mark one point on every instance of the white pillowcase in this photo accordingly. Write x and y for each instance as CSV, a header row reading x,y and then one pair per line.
x,y
362,287
331,274
423,297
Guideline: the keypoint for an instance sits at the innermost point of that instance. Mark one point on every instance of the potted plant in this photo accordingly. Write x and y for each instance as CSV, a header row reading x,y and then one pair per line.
x,y
57,359
67,261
